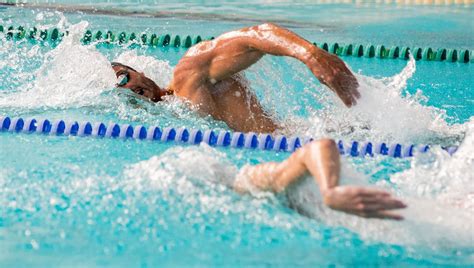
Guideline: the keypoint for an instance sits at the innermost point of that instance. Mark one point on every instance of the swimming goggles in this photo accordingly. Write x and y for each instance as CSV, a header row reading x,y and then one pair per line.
x,y
123,79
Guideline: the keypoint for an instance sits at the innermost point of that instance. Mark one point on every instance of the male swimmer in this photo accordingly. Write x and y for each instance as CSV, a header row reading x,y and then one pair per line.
x,y
208,75
208,78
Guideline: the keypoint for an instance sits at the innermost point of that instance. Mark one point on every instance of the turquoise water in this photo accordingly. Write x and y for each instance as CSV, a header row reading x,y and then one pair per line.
x,y
71,201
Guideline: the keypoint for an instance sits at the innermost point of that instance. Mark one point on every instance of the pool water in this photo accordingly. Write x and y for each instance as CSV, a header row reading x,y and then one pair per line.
x,y
72,201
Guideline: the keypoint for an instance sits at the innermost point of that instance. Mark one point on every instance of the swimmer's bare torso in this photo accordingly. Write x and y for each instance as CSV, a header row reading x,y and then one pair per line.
x,y
209,66
228,100
208,75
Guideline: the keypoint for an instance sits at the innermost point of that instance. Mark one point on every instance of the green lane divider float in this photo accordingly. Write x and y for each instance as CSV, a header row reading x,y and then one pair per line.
x,y
166,40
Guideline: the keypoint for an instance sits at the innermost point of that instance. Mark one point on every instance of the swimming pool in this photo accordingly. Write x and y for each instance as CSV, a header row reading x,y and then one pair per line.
x,y
71,201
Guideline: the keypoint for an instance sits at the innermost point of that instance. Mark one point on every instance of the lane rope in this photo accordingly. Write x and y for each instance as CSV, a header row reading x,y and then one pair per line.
x,y
54,36
217,138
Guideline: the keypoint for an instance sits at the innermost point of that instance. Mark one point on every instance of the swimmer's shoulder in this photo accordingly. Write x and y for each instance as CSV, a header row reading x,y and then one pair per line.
x,y
200,49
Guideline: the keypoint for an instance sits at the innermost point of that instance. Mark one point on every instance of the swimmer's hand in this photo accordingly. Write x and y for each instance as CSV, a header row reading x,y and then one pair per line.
x,y
363,202
333,72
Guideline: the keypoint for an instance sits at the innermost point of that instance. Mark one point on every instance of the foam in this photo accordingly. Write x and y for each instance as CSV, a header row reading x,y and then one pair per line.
x,y
201,177
384,114
160,71
72,75
437,175
428,222
437,188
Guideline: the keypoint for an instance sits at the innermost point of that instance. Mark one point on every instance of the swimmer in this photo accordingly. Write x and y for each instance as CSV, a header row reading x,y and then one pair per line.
x,y
208,77
321,160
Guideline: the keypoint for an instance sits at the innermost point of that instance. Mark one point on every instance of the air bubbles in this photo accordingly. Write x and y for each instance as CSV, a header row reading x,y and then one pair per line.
x,y
34,244
62,234
33,51
60,203
39,16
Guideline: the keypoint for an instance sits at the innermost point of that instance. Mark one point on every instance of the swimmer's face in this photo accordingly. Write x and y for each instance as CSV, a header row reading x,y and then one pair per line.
x,y
137,82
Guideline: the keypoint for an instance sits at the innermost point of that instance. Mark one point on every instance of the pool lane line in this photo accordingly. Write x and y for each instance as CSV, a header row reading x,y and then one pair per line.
x,y
216,138
109,38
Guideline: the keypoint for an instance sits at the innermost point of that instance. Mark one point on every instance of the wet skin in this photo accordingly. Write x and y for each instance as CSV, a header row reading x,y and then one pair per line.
x,y
139,83
208,77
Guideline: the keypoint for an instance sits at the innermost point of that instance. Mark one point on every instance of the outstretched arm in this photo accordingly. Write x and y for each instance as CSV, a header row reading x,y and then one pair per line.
x,y
235,51
321,160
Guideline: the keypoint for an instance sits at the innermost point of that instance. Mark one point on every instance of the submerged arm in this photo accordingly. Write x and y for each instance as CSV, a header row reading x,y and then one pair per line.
x,y
321,160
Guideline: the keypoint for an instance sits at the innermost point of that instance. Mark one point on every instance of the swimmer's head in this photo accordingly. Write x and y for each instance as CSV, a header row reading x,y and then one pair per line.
x,y
127,77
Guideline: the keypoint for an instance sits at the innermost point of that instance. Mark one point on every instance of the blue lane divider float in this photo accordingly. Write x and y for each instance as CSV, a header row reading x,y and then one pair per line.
x,y
220,138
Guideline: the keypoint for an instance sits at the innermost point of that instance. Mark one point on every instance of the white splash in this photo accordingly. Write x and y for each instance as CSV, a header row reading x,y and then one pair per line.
x,y
386,111
384,114
199,163
437,175
439,192
429,222
201,177
160,71
72,75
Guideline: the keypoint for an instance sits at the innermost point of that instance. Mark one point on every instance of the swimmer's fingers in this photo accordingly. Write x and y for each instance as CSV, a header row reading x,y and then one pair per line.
x,y
361,201
374,199
388,215
378,205
355,91
348,83
378,214
346,90
373,192
345,96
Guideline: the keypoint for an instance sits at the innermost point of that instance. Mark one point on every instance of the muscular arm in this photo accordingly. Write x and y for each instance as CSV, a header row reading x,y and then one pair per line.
x,y
232,52
321,160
